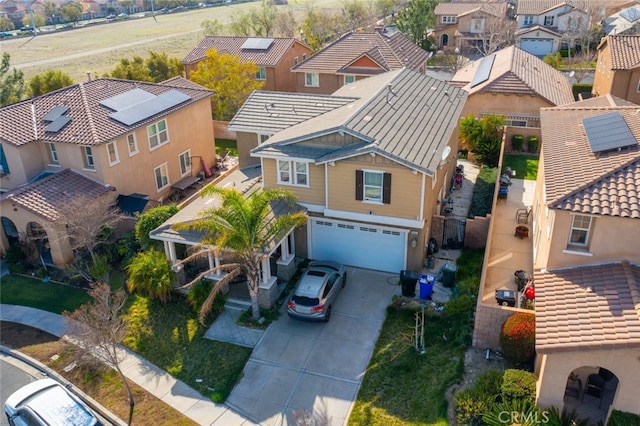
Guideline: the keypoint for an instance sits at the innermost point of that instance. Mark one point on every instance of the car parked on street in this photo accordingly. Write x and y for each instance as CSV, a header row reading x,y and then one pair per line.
x,y
46,402
317,291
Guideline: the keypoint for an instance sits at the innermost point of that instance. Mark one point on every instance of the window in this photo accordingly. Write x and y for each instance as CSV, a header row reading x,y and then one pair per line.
x,y
295,61
162,176
477,25
373,186
448,19
53,153
348,79
185,162
311,79
580,230
261,74
515,123
262,139
304,56
293,173
132,144
88,158
157,134
112,152
548,21
528,20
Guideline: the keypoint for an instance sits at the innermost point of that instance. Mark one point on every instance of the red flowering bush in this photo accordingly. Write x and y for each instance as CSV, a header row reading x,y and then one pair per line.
x,y
518,338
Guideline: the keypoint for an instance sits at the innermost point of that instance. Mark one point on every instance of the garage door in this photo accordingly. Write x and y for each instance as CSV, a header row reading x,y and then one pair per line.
x,y
537,46
358,244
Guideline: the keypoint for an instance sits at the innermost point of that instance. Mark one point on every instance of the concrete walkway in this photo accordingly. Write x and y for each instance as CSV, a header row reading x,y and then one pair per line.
x,y
146,375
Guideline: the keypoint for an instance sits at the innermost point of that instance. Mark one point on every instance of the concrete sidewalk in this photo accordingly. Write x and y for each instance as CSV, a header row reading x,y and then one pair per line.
x,y
146,375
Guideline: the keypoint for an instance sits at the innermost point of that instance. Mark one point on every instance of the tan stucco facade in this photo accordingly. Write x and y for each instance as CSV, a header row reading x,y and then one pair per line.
x,y
506,104
246,142
624,84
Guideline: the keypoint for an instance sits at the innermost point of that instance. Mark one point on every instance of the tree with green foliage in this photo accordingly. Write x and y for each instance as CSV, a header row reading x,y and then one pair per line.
x,y
553,60
244,229
48,82
240,24
150,220
6,24
12,87
319,26
414,20
149,272
384,8
354,14
132,69
38,19
50,10
263,19
232,80
162,68
211,28
483,137
71,12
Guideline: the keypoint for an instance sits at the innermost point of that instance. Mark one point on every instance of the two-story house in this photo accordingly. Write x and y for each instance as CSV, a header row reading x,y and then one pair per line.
x,y
514,84
273,56
138,138
544,26
618,68
586,228
355,56
470,26
625,22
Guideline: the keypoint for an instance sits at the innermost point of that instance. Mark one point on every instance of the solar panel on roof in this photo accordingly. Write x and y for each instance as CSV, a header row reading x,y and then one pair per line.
x,y
127,99
607,131
257,43
55,112
632,14
57,124
149,107
483,71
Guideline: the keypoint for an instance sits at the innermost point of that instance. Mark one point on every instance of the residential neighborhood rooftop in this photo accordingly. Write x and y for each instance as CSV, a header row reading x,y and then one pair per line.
x,y
625,51
463,8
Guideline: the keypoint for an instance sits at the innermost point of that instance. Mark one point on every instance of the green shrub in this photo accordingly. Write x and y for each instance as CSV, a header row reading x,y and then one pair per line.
x,y
517,142
578,88
564,53
150,220
533,144
525,412
518,385
198,294
16,268
518,338
564,418
553,60
620,418
482,198
469,408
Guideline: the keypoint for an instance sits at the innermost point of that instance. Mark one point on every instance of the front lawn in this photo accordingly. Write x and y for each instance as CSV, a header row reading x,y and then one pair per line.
x,y
18,290
526,166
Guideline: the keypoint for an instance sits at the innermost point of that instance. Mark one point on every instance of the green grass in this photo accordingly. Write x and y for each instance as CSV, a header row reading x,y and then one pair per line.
x,y
526,166
228,145
18,290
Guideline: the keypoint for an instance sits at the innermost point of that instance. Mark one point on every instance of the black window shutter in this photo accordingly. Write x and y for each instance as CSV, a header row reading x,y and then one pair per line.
x,y
359,185
386,188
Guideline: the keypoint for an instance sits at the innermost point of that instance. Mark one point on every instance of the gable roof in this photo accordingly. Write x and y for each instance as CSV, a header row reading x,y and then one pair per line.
x,y
625,20
463,8
606,183
588,307
268,57
402,115
90,122
536,28
538,7
395,48
624,50
267,112
519,72
44,197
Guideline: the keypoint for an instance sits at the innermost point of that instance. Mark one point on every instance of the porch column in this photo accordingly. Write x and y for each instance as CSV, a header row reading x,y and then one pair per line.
x,y
284,248
265,268
212,261
170,251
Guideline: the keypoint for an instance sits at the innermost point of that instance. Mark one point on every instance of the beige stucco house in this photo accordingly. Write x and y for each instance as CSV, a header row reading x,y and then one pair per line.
x,y
274,57
371,169
355,56
586,228
618,69
139,139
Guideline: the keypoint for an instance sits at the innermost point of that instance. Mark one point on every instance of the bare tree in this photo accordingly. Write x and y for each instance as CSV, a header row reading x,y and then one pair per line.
x,y
355,14
496,34
212,28
286,23
98,328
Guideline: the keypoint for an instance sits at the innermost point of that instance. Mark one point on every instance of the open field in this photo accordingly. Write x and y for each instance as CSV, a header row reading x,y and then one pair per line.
x,y
97,48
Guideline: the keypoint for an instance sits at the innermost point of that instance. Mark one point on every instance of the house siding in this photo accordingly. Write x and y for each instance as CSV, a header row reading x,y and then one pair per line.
x,y
504,104
246,142
314,194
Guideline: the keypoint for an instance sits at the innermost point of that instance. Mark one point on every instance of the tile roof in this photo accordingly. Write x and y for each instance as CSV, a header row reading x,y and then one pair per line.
x,y
456,9
90,122
519,72
538,7
588,307
45,196
403,115
269,57
625,51
604,184
269,112
605,101
395,48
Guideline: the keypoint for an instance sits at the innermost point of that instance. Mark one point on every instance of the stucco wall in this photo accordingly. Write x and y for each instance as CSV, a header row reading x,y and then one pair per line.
x,y
246,142
25,162
509,131
603,77
503,104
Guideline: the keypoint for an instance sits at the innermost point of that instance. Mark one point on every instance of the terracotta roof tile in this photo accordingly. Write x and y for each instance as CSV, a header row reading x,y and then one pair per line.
x,y
595,306
604,184
537,7
269,57
516,71
625,51
457,9
45,196
396,50
90,122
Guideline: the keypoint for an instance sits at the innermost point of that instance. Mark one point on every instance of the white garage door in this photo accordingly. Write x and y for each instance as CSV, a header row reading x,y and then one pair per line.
x,y
535,46
361,245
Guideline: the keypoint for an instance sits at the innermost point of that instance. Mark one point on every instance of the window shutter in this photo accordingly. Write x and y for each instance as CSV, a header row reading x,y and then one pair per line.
x,y
386,188
359,185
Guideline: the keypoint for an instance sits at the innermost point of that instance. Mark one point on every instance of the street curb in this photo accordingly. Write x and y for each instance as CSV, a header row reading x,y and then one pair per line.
x,y
34,363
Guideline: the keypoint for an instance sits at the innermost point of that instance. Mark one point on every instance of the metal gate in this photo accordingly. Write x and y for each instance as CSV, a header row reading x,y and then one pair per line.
x,y
453,233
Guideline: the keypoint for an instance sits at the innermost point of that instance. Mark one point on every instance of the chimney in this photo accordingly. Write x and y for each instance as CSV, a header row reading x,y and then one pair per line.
x,y
88,75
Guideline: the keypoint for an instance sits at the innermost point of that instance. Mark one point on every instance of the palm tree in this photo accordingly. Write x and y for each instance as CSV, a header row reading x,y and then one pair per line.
x,y
244,227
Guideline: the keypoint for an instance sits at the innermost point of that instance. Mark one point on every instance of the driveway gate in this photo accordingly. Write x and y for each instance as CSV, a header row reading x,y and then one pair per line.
x,y
453,234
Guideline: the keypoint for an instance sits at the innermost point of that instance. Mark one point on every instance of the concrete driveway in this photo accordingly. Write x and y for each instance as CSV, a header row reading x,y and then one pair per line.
x,y
316,367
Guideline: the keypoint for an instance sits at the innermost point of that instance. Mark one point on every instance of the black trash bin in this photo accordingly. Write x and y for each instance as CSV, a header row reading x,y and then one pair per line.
x,y
449,275
431,262
408,280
